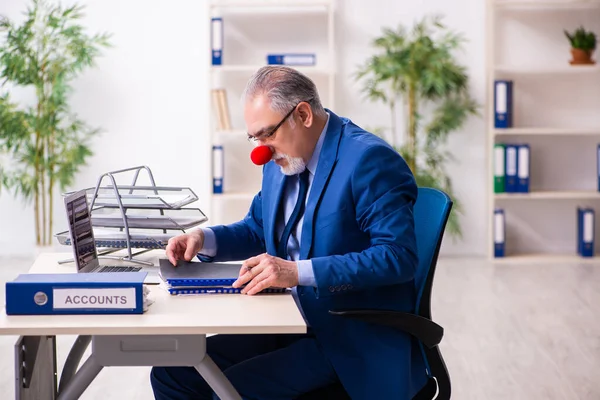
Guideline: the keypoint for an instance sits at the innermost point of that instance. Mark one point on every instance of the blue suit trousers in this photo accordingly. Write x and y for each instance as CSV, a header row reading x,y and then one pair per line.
x,y
265,367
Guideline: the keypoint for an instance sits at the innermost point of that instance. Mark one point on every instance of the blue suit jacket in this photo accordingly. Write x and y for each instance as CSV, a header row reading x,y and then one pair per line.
x,y
358,230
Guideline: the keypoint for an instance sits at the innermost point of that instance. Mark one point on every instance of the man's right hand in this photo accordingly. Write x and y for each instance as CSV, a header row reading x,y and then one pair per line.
x,y
185,247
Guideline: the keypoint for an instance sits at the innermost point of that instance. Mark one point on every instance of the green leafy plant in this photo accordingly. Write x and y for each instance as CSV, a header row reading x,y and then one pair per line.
x,y
415,72
43,144
582,39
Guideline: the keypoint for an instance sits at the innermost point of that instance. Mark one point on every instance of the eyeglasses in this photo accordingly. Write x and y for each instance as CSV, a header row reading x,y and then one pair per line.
x,y
271,132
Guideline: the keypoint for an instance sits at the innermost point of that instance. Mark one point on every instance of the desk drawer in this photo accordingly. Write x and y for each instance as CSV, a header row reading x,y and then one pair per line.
x,y
149,350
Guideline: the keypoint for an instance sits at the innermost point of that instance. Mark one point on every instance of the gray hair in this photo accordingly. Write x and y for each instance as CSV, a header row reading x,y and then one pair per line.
x,y
285,87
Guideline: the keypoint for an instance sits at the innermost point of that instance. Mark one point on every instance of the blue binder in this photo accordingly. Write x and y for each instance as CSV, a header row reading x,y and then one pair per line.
x,y
503,104
292,59
523,168
598,165
585,231
218,169
579,229
200,278
176,290
511,164
499,233
77,293
216,40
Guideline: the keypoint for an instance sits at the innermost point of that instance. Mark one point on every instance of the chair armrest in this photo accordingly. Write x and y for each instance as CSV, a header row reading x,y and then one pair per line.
x,y
427,331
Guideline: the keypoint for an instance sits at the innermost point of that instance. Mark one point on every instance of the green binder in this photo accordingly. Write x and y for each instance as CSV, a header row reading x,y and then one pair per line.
x,y
499,160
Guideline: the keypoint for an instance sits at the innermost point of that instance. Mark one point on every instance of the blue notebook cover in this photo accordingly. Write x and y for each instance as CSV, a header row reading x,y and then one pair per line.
x,y
203,277
77,293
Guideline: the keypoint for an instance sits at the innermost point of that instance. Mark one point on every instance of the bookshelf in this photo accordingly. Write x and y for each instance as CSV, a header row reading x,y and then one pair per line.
x,y
555,112
251,30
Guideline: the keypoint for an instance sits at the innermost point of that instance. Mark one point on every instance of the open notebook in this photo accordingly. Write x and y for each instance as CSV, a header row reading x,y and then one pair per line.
x,y
202,277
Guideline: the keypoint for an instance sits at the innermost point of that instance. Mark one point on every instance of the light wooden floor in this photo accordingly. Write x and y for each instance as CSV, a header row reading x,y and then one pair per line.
x,y
511,332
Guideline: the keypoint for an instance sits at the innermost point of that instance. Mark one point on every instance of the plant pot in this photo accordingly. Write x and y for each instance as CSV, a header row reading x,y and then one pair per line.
x,y
581,57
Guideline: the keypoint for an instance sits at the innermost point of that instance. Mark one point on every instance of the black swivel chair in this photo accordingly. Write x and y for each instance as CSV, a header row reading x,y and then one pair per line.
x,y
431,213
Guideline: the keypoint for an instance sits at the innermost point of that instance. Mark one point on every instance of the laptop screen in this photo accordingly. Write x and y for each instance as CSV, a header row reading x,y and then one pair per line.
x,y
82,234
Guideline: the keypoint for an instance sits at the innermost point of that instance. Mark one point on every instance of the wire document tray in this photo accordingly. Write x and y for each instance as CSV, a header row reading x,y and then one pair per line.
x,y
136,216
170,219
145,197
116,239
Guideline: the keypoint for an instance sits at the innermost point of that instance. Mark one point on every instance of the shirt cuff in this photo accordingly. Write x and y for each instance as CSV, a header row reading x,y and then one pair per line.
x,y
209,247
306,275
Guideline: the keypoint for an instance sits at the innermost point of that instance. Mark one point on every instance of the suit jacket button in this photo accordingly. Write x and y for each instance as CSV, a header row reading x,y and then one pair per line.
x,y
331,289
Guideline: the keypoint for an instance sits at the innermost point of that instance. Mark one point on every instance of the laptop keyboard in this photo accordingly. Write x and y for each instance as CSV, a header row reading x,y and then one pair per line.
x,y
120,268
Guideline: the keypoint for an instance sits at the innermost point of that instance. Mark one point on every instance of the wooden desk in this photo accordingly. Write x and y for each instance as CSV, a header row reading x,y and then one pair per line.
x,y
172,332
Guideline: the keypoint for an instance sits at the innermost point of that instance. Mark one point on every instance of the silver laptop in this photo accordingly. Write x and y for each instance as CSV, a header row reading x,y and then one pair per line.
x,y
83,242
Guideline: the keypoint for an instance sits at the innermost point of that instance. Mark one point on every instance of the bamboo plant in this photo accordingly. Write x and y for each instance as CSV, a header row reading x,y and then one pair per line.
x,y
415,73
43,145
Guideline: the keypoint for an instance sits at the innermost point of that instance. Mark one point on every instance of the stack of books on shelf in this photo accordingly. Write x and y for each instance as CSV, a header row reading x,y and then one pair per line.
x,y
221,109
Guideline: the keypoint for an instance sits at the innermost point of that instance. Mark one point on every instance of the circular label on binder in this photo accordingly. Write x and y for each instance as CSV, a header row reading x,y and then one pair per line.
x,y
40,298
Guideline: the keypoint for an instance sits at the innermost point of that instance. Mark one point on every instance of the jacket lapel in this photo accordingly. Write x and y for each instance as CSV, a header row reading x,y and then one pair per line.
x,y
327,160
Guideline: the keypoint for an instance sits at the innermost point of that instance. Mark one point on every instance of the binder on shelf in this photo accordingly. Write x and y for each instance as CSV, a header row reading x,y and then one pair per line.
x,y
523,167
511,164
585,231
503,104
292,59
499,175
598,165
218,168
76,293
499,233
216,38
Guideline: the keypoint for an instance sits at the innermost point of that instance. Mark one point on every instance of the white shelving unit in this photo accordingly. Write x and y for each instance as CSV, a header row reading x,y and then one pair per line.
x,y
555,111
251,30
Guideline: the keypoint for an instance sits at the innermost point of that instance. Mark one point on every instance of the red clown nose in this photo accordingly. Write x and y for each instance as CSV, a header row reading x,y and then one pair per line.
x,y
261,155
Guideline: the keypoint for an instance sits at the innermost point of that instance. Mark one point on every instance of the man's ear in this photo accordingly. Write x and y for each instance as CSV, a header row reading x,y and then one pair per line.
x,y
306,114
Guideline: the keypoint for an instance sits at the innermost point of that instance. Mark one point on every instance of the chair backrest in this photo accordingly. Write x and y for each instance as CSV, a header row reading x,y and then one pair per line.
x,y
431,212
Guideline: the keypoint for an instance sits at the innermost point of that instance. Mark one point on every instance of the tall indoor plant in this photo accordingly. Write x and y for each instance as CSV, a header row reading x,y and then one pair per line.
x,y
415,72
43,144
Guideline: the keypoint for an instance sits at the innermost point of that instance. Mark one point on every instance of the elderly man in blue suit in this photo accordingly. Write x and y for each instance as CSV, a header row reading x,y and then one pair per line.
x,y
334,222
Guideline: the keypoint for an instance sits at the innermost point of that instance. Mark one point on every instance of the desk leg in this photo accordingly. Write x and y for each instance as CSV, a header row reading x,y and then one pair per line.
x,y
35,368
140,350
217,379
163,350
73,359
75,387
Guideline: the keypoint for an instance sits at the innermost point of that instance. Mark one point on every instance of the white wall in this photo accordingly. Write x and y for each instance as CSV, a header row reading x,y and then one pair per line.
x,y
148,93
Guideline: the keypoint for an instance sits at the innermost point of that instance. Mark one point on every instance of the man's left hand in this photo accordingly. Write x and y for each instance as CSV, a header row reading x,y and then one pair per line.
x,y
265,271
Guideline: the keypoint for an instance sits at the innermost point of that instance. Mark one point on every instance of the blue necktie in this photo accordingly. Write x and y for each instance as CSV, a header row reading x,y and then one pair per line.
x,y
295,217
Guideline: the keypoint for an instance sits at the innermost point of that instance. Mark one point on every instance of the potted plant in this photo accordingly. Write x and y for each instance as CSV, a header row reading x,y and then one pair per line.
x,y
43,145
583,44
418,70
